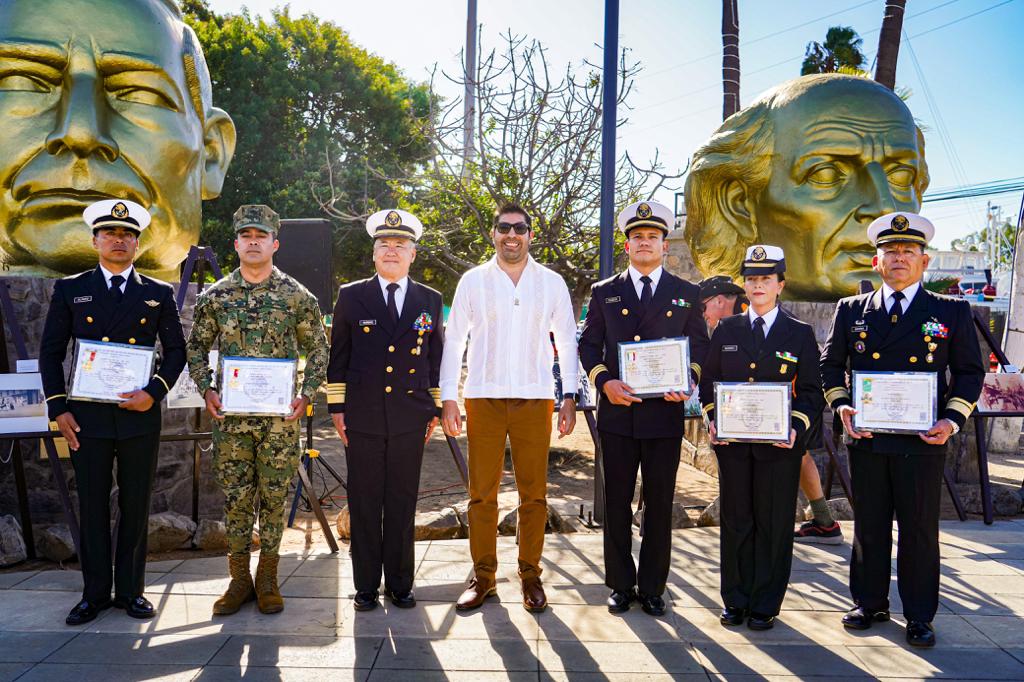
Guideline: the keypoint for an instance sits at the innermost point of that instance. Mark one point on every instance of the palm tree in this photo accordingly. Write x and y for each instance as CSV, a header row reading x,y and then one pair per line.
x,y
730,58
841,48
889,43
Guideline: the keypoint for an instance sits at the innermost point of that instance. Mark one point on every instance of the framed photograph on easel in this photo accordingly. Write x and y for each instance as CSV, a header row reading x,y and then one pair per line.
x,y
22,404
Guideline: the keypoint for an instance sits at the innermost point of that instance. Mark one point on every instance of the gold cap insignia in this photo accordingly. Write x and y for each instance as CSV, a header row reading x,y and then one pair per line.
x,y
644,211
392,219
758,254
119,210
899,223
152,304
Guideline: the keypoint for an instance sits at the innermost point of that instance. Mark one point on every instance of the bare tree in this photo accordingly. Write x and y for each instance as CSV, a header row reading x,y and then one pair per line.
x,y
730,58
889,43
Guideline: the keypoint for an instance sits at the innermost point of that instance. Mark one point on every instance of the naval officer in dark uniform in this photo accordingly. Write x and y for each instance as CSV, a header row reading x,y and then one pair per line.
x,y
383,395
900,327
644,302
758,482
112,303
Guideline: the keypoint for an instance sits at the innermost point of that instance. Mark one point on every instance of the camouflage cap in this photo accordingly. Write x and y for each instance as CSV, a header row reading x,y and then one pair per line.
x,y
258,216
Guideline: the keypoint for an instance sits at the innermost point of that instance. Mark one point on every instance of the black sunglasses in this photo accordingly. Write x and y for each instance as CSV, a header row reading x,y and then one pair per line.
x,y
520,228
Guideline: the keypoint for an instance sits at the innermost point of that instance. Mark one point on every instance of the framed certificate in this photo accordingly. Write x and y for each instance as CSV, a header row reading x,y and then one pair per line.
x,y
653,368
184,393
257,386
748,412
895,402
101,370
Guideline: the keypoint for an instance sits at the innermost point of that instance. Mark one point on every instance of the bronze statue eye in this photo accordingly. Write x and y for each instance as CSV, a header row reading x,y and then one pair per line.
x,y
902,176
145,96
20,83
825,174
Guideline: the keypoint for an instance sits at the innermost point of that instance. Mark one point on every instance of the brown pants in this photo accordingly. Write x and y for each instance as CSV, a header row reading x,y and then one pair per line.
x,y
527,425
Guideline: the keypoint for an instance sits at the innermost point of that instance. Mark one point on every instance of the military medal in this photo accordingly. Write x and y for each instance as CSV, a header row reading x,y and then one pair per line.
x,y
929,358
859,346
423,323
783,368
933,347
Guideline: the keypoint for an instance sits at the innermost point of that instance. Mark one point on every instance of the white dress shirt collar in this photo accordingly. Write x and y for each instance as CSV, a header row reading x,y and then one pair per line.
x,y
635,276
908,293
127,274
768,317
403,287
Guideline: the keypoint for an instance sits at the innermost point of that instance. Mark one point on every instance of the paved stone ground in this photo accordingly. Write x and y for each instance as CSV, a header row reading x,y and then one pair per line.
x,y
320,637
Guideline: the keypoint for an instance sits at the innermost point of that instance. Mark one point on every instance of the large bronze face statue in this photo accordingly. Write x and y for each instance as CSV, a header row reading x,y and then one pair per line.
x,y
806,167
101,99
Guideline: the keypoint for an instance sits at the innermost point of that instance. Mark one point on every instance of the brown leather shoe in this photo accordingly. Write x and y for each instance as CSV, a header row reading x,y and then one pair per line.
x,y
534,599
475,595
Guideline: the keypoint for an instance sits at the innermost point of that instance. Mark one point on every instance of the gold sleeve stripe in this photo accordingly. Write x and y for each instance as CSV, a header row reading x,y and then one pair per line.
x,y
335,394
833,394
960,405
335,399
157,376
802,417
696,369
59,395
596,372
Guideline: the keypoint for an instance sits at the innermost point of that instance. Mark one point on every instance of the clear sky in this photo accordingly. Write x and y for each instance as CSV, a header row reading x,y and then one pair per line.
x,y
969,85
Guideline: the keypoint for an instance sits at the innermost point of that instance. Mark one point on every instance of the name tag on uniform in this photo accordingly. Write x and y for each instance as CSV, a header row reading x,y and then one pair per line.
x,y
730,349
613,299
367,323
859,328
83,299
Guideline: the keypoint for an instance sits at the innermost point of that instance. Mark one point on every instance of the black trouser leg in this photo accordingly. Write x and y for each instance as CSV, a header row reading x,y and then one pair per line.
x,y
402,482
659,463
366,457
917,480
136,466
621,461
93,464
775,486
870,565
736,504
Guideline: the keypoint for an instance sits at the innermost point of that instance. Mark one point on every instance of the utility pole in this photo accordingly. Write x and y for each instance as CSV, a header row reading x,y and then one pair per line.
x,y
469,99
730,58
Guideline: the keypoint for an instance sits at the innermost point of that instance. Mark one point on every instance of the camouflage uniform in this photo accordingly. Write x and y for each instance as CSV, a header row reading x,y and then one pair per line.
x,y
255,457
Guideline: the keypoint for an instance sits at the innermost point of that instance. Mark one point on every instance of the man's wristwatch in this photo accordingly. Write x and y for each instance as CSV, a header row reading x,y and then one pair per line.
x,y
956,428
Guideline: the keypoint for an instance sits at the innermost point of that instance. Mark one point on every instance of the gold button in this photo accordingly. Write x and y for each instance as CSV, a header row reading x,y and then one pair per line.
x,y
142,321
391,349
389,369
412,371
753,365
421,332
89,319
668,314
105,338
875,356
913,358
751,379
387,389
131,340
413,351
636,338
927,339
863,335
366,329
625,311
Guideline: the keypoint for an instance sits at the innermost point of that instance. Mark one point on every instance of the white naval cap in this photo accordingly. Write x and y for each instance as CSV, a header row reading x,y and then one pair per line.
x,y
394,222
116,213
901,227
763,259
646,214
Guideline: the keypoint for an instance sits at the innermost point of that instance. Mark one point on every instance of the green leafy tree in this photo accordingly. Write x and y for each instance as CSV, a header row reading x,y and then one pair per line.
x,y
842,47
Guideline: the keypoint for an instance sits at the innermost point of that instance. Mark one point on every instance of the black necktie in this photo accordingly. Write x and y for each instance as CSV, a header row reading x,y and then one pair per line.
x,y
647,294
115,289
758,334
896,311
392,306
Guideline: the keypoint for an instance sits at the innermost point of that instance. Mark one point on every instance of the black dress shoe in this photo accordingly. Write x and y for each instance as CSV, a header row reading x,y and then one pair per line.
x,y
920,634
365,601
858,618
86,611
758,621
403,600
139,607
619,601
732,615
652,605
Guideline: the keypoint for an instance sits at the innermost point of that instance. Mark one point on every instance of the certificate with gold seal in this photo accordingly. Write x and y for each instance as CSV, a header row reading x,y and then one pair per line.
x,y
654,368
895,402
753,412
103,370
257,386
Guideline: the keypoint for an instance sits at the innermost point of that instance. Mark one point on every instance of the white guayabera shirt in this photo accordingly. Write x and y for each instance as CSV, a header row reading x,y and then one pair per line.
x,y
508,328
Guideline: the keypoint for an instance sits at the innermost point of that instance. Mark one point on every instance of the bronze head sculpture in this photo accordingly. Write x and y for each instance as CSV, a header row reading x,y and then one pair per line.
x,y
806,167
102,99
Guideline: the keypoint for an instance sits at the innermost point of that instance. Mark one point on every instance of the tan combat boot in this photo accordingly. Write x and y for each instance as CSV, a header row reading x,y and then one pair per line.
x,y
241,588
268,596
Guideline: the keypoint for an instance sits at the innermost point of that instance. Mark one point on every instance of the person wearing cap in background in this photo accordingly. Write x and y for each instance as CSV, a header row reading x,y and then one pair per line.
x,y
644,302
757,482
720,298
383,396
112,303
900,327
256,311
